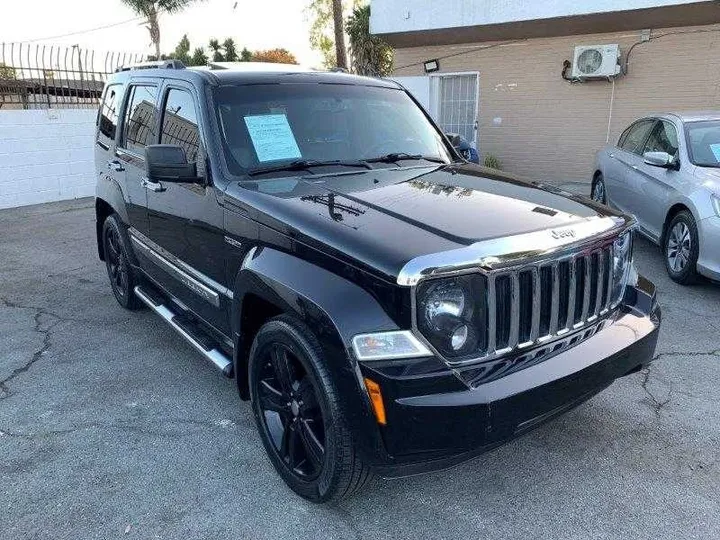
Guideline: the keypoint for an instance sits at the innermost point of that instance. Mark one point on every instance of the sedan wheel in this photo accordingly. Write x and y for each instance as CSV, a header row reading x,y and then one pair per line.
x,y
678,249
598,192
681,248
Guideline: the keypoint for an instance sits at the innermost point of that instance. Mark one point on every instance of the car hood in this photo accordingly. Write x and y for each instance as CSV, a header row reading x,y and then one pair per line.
x,y
383,218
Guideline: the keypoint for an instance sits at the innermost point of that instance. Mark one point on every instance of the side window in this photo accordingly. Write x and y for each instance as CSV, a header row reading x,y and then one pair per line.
x,y
139,121
108,117
180,123
634,140
663,139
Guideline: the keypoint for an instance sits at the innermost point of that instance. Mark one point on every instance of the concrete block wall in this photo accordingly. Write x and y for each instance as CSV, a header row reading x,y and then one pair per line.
x,y
46,155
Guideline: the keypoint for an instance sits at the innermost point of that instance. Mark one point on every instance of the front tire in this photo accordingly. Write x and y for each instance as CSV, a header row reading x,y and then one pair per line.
x,y
298,414
681,249
117,262
599,192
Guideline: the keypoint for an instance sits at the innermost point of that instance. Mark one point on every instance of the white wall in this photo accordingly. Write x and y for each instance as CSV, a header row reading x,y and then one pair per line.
x,y
46,155
389,16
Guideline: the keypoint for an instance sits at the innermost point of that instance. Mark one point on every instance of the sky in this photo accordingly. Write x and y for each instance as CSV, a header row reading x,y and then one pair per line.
x,y
255,24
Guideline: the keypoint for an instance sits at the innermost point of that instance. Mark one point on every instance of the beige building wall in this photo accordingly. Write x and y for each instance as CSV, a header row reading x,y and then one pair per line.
x,y
551,128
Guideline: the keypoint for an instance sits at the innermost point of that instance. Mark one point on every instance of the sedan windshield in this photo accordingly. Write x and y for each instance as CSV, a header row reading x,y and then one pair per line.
x,y
703,139
303,126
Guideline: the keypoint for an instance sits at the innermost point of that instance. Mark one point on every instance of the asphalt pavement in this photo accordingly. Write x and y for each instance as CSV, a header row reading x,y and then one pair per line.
x,y
112,427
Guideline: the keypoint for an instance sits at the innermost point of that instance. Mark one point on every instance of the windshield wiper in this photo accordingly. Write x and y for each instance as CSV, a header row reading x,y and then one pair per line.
x,y
399,156
305,164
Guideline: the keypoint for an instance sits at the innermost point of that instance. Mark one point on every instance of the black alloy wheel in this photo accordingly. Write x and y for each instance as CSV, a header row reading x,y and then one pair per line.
x,y
118,266
291,412
298,414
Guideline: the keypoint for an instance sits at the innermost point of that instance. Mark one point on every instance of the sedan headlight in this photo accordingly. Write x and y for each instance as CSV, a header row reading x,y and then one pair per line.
x,y
621,266
450,313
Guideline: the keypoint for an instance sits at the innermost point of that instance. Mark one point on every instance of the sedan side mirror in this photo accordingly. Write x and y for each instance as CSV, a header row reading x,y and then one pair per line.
x,y
168,163
659,159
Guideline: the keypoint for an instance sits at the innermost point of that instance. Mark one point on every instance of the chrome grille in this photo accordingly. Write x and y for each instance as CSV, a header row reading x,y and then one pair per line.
x,y
536,303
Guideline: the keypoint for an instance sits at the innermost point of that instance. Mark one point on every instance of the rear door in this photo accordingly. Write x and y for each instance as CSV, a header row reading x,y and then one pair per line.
x,y
186,220
622,185
654,185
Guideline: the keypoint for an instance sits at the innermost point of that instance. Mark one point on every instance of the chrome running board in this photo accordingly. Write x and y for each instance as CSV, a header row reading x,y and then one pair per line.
x,y
198,339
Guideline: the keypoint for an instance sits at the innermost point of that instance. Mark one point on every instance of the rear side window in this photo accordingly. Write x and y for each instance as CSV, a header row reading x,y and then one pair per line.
x,y
180,123
634,139
109,110
139,121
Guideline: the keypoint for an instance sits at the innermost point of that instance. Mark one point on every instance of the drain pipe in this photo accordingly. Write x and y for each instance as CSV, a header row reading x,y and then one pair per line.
x,y
612,100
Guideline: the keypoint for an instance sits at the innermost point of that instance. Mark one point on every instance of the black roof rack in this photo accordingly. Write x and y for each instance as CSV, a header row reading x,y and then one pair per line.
x,y
162,64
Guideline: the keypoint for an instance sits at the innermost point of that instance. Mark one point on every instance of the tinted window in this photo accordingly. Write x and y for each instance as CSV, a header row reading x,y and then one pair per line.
x,y
139,124
703,140
663,138
285,122
180,124
108,117
634,140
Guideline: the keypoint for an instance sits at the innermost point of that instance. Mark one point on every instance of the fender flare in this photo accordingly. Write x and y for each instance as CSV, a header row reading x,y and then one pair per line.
x,y
108,192
335,308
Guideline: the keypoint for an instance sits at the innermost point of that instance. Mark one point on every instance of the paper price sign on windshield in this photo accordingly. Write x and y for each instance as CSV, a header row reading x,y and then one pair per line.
x,y
272,137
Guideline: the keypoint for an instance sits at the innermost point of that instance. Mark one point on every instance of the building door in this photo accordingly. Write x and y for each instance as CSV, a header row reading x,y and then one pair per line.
x,y
454,97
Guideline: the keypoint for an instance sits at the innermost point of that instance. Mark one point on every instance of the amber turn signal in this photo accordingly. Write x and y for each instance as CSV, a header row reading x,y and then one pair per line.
x,y
376,399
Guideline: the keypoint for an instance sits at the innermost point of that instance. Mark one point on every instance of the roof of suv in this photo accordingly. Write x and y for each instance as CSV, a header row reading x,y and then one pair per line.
x,y
240,73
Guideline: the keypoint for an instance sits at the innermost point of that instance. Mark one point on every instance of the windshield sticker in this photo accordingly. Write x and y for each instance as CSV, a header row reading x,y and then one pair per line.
x,y
715,147
272,137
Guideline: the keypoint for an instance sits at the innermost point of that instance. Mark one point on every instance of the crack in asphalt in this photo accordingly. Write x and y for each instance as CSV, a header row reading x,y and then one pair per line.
x,y
654,402
209,424
5,391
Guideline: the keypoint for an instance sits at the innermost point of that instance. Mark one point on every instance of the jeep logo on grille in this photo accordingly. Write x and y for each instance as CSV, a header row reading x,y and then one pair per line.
x,y
557,234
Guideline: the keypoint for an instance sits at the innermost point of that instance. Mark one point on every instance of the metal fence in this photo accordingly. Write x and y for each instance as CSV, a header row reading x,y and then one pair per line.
x,y
36,76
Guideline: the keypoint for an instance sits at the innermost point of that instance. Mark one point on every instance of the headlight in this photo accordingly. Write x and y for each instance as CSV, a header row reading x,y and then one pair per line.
x,y
622,263
449,314
716,204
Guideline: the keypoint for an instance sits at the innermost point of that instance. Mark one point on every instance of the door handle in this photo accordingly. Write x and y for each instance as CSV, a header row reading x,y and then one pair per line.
x,y
157,187
115,165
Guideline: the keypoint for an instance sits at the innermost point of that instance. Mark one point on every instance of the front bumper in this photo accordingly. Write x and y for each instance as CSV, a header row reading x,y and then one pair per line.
x,y
709,259
435,421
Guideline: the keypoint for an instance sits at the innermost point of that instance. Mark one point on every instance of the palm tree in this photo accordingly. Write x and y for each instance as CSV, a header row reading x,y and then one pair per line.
x,y
371,55
340,53
214,46
151,9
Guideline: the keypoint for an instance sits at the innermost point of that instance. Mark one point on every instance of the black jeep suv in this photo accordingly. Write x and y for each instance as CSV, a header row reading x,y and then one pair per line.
x,y
386,307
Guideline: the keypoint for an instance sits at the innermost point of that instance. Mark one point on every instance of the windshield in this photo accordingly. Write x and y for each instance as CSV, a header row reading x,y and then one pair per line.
x,y
266,126
703,140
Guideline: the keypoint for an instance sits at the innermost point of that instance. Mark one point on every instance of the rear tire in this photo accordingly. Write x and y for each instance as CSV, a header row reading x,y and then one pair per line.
x,y
681,249
298,414
117,262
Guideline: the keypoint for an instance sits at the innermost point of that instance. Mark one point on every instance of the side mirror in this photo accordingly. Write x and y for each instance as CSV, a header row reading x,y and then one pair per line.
x,y
168,163
659,159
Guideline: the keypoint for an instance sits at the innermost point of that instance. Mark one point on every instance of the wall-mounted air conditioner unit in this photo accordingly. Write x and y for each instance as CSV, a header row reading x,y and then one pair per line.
x,y
596,61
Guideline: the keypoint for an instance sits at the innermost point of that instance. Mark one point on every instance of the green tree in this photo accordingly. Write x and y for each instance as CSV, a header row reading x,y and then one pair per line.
x,y
371,55
199,58
230,48
182,51
152,9
245,55
217,55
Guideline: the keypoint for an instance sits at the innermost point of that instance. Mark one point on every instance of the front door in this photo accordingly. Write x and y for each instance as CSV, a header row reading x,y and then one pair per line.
x,y
456,104
186,220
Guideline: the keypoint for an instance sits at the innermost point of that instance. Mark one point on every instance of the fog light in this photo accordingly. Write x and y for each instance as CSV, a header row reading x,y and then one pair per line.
x,y
459,337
